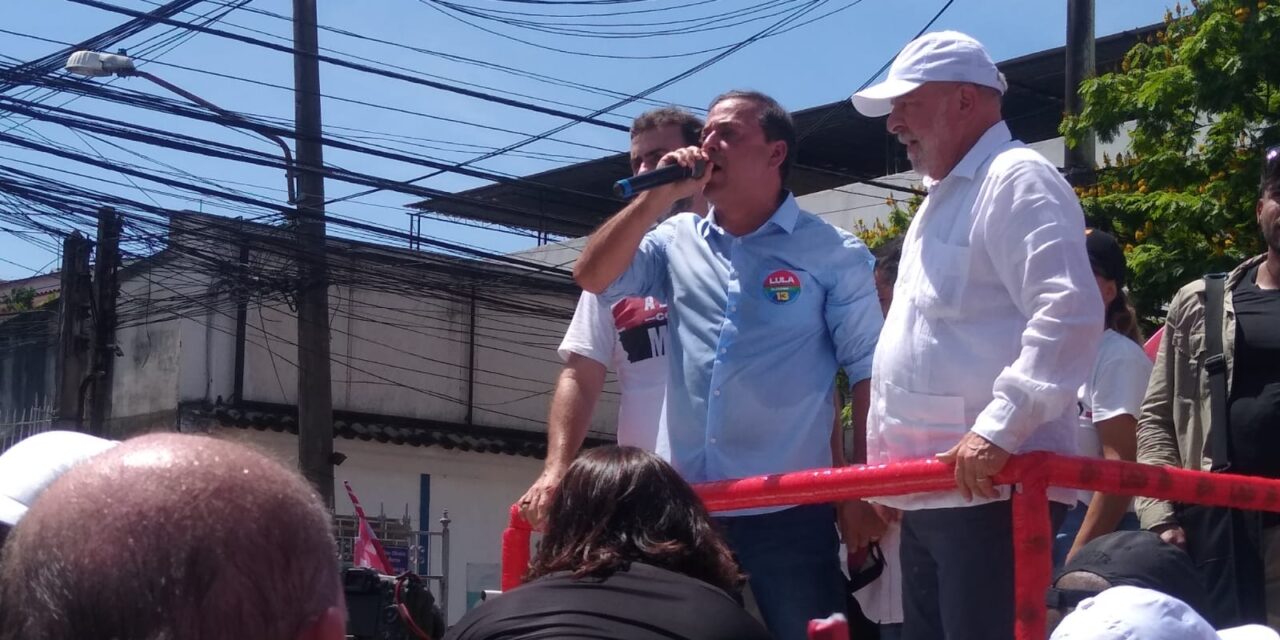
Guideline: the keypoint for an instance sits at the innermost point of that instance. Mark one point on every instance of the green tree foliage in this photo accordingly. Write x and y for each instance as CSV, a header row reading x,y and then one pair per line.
x,y
1203,95
20,299
874,235
893,225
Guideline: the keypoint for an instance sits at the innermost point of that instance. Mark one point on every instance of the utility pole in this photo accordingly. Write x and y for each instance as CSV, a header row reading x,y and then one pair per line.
x,y
74,308
1079,161
105,286
315,390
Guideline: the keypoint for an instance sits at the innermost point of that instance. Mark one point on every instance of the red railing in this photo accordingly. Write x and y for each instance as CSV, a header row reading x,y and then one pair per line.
x,y
1032,474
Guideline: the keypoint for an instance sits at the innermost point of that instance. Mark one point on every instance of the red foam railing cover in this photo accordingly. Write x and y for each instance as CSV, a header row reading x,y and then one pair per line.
x,y
1035,472
515,549
1032,554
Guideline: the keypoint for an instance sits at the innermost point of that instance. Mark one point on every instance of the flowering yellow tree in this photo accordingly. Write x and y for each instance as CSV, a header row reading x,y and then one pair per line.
x,y
893,225
1203,96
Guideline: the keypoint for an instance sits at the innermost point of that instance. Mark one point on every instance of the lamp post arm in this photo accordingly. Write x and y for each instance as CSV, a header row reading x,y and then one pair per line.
x,y
288,154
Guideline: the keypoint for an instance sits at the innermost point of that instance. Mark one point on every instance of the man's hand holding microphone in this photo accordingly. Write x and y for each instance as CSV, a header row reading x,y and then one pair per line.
x,y
670,170
609,251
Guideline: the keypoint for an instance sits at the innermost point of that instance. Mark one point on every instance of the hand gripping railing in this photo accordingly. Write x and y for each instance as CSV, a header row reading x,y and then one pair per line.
x,y
1031,474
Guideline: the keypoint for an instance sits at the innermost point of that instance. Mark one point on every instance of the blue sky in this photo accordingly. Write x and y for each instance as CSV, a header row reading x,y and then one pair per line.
x,y
814,64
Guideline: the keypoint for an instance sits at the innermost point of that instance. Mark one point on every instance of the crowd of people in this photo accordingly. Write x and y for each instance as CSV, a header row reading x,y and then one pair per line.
x,y
998,324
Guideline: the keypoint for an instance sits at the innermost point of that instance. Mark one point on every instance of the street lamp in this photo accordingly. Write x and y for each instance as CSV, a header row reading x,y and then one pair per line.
x,y
93,64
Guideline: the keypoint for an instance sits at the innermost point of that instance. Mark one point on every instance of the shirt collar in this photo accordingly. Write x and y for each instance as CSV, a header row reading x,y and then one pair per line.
x,y
986,146
784,217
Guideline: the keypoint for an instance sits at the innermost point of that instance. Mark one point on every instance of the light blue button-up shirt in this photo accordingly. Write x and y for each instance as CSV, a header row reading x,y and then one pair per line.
x,y
759,325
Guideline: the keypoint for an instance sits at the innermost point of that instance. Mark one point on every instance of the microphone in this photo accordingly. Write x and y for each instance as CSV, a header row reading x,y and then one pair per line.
x,y
627,187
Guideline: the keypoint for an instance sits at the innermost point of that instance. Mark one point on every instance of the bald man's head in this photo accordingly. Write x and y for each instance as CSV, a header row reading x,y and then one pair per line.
x,y
173,536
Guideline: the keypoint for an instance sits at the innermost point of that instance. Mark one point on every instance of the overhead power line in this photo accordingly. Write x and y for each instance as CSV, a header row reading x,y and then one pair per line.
x,y
338,98
646,92
183,142
25,72
361,67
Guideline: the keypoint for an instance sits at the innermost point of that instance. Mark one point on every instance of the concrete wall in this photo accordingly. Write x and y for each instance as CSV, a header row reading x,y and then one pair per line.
x,y
517,364
162,313
28,360
206,371
407,355
403,352
477,489
400,354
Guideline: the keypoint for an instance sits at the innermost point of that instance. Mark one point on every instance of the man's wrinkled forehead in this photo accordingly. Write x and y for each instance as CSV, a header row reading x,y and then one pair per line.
x,y
733,110
927,92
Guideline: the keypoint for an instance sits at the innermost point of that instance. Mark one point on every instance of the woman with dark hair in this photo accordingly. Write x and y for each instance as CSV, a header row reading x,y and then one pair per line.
x,y
1110,401
629,552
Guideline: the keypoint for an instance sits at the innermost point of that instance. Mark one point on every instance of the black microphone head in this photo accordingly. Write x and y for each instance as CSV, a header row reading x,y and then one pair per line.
x,y
628,187
699,168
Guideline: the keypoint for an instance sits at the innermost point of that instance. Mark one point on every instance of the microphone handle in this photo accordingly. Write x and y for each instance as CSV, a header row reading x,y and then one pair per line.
x,y
627,187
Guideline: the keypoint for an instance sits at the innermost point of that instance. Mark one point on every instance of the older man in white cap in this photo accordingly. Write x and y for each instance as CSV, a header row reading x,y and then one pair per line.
x,y
995,322
1134,613
30,466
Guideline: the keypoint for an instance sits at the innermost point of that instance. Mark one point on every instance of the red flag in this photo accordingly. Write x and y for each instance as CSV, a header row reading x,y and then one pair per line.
x,y
835,627
367,550
1153,343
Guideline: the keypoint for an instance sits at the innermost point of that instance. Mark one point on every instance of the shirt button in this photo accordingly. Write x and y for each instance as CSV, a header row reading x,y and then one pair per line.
x,y
713,441
716,392
733,307
723,350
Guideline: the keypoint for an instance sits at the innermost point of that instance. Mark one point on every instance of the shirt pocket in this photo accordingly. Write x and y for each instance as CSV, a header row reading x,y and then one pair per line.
x,y
1190,348
941,280
920,424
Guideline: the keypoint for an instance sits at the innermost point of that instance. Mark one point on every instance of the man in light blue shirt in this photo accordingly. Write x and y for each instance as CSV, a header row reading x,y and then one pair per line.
x,y
766,302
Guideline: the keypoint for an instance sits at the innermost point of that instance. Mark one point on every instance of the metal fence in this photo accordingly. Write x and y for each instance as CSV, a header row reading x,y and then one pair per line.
x,y
425,553
17,424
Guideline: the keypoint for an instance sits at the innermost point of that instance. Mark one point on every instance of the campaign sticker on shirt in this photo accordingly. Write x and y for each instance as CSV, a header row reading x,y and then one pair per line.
x,y
782,286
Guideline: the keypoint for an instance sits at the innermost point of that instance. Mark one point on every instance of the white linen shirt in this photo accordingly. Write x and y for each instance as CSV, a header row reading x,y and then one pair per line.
x,y
995,321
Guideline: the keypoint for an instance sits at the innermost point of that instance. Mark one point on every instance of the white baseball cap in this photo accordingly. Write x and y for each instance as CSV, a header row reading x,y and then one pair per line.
x,y
31,465
941,56
1134,613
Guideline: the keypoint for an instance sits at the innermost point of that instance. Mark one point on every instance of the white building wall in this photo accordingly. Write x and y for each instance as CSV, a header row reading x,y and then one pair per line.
x,y
403,355
477,489
270,354
407,355
516,360
160,308
206,370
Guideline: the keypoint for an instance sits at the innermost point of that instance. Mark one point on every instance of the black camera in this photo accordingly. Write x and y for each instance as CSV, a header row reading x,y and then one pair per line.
x,y
382,607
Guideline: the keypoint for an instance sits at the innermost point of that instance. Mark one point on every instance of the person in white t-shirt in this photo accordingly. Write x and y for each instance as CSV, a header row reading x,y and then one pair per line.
x,y
881,599
630,337
1110,402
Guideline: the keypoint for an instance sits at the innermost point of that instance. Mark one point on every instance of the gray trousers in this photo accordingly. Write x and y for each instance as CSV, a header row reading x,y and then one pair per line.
x,y
957,571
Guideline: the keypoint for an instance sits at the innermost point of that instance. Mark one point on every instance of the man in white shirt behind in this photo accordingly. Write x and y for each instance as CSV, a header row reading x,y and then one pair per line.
x,y
630,337
995,324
